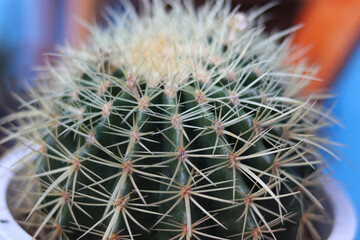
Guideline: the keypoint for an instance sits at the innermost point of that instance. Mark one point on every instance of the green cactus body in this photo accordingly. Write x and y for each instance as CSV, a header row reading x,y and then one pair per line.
x,y
179,124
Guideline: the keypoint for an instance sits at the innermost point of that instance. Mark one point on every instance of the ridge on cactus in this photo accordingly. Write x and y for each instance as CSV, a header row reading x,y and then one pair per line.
x,y
173,124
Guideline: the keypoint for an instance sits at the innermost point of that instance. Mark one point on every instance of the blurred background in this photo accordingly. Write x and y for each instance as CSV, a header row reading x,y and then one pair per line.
x,y
331,31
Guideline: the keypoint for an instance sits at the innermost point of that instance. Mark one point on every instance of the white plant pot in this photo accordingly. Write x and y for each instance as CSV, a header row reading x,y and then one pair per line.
x,y
344,212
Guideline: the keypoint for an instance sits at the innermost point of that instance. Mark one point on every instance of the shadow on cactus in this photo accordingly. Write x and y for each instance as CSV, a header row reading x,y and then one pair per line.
x,y
175,124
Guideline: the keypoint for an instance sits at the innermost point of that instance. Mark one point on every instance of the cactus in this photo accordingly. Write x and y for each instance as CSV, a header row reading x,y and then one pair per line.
x,y
173,124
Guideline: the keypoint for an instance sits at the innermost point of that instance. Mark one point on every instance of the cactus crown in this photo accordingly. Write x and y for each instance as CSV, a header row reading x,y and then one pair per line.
x,y
176,124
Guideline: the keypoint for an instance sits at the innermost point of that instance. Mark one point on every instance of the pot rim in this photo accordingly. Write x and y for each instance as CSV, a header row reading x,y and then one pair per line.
x,y
345,220
9,228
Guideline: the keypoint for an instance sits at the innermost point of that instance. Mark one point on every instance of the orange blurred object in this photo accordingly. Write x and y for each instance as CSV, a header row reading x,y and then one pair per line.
x,y
85,10
331,29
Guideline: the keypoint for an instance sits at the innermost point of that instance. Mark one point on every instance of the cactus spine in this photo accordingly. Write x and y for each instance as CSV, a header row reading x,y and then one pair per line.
x,y
179,124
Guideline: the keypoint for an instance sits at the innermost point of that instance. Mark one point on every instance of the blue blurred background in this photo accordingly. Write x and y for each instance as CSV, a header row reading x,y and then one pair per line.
x,y
347,109
28,29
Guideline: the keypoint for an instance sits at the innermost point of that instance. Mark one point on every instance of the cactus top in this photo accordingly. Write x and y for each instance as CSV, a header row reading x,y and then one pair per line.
x,y
171,47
